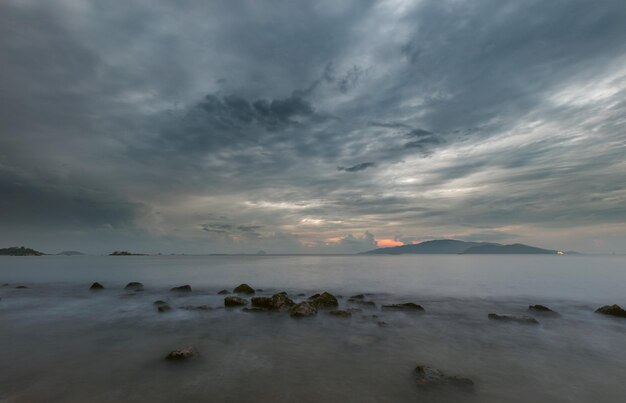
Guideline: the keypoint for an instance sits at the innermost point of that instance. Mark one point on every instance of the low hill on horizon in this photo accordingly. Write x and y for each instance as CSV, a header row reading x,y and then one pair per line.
x,y
452,246
20,251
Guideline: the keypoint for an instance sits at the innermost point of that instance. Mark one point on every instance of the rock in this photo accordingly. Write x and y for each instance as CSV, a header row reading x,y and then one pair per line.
x,y
427,377
612,310
314,296
408,306
182,288
261,302
223,292
303,309
277,302
159,303
179,355
541,309
513,318
340,313
21,287
243,289
357,296
96,286
134,285
325,300
164,308
234,301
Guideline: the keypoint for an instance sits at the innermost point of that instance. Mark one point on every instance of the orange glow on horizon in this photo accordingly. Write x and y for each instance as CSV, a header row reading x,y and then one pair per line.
x,y
386,243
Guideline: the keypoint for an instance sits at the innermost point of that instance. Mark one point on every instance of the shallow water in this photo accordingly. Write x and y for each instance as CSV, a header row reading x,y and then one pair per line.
x,y
61,342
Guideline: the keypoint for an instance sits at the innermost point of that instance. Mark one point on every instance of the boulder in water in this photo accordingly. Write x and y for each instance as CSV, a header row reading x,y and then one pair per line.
x,y
357,296
21,287
180,355
429,377
277,302
303,309
243,289
96,286
234,301
182,288
513,318
325,300
612,310
541,309
407,306
134,285
164,308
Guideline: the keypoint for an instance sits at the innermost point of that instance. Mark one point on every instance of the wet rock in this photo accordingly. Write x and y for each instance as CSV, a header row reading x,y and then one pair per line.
x,y
182,288
408,306
223,292
159,303
234,301
325,300
134,285
243,289
303,309
513,318
196,308
612,310
96,286
541,309
357,296
164,308
340,313
427,377
277,302
261,302
314,296
180,355
21,287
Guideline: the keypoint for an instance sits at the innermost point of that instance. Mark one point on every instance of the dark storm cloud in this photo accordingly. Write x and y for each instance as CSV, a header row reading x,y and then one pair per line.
x,y
149,115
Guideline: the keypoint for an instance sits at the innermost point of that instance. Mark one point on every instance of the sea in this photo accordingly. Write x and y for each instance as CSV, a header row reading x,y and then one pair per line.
x,y
61,342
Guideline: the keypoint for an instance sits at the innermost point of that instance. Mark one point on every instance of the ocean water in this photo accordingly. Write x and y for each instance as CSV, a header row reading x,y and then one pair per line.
x,y
60,342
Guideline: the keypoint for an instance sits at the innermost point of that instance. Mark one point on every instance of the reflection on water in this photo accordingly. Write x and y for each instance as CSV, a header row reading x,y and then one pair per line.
x,y
62,342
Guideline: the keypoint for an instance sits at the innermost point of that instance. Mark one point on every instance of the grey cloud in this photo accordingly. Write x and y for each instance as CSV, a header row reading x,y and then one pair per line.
x,y
358,167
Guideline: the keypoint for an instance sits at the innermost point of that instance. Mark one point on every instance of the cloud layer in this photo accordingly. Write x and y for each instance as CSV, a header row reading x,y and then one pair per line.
x,y
320,127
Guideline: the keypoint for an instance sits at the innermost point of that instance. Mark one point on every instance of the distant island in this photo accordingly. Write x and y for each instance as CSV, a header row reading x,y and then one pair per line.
x,y
452,246
125,253
70,253
19,251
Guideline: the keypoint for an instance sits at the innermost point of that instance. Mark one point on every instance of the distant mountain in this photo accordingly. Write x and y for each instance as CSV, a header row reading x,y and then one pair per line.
x,y
125,253
517,248
70,253
21,251
447,246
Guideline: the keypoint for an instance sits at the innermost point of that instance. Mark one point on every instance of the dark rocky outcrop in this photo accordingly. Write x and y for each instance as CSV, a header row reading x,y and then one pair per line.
x,y
243,289
407,306
223,292
357,296
234,301
182,288
180,355
96,286
277,302
134,285
303,309
19,251
541,309
21,287
314,296
164,308
612,310
513,318
429,377
324,300
340,313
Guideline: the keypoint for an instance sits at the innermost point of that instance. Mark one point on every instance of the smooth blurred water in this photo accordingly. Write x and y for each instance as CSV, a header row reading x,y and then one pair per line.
x,y
61,342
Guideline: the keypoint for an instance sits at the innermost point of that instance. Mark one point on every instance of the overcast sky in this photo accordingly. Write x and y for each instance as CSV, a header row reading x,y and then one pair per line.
x,y
301,126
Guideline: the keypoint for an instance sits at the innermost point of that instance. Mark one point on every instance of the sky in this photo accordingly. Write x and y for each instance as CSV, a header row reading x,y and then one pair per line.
x,y
311,127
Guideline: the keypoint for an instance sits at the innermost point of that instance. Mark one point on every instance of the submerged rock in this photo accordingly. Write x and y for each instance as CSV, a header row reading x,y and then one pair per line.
x,y
223,292
303,309
134,285
340,313
96,286
357,296
164,308
513,318
324,300
542,309
234,301
243,289
612,310
182,288
21,287
427,377
179,355
159,303
408,306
